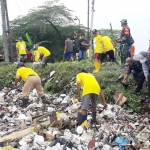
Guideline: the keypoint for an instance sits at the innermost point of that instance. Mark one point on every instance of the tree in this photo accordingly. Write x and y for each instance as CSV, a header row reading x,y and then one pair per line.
x,y
37,20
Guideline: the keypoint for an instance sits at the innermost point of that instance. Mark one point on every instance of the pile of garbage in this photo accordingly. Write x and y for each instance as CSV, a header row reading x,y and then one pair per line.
x,y
54,127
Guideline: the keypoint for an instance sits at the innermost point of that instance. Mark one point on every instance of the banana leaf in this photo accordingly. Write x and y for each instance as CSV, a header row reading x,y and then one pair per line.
x,y
43,42
29,39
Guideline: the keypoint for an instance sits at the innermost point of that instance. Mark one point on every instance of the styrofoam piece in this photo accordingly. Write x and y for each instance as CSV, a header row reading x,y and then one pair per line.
x,y
38,139
79,130
2,97
21,117
63,95
52,73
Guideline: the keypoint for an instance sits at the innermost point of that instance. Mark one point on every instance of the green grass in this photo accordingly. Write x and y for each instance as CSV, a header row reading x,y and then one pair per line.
x,y
65,72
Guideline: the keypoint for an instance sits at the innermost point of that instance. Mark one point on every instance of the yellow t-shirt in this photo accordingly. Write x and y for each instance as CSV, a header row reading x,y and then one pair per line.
x,y
89,83
21,46
107,43
24,72
114,49
36,56
97,44
43,51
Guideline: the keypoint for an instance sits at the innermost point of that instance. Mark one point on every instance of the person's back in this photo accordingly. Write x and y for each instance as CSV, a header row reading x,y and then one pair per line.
x,y
89,83
24,72
136,66
69,45
29,56
44,51
107,43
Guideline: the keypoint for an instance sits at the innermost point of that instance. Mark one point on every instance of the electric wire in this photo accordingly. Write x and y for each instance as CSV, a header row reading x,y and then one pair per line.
x,y
18,7
25,4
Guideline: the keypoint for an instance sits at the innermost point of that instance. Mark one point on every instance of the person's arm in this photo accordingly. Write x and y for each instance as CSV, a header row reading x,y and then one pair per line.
x,y
17,79
145,70
125,77
103,98
33,58
113,45
65,48
84,44
78,90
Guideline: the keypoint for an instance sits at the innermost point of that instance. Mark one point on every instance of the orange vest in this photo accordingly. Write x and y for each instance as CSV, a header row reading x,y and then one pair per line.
x,y
132,50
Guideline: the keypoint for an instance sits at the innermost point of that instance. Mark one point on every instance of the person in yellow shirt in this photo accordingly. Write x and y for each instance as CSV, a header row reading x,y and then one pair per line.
x,y
44,54
91,90
32,80
21,49
98,49
109,48
36,56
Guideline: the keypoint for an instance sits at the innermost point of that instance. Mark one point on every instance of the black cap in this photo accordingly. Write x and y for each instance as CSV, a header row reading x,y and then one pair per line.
x,y
94,31
20,64
124,21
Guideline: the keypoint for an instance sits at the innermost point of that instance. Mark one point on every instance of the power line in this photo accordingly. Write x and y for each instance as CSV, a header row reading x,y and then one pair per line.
x,y
25,4
19,7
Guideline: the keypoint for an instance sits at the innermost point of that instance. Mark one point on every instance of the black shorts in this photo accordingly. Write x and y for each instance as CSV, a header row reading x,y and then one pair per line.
x,y
97,56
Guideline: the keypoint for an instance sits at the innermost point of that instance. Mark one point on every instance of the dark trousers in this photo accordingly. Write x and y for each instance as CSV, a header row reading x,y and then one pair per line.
x,y
110,54
149,84
139,78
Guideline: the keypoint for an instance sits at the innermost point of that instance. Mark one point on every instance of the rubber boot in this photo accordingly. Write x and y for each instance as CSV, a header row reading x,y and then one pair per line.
x,y
94,117
45,101
25,102
43,65
81,118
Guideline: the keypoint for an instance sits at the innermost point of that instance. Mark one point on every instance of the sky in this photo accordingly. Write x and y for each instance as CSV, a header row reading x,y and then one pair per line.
x,y
137,13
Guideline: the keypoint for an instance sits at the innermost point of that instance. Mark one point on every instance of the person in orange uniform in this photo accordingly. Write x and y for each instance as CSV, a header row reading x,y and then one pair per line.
x,y
91,91
98,49
132,51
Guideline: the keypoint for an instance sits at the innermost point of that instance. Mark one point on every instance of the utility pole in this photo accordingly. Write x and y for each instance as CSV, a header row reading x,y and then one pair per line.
x,y
9,34
5,43
76,18
91,27
88,36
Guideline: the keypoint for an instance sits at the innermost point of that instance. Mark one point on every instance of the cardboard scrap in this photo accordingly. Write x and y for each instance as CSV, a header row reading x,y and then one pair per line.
x,y
119,98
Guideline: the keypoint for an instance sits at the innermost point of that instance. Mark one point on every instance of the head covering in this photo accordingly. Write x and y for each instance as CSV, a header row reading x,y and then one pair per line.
x,y
128,60
94,31
20,64
34,47
20,38
124,21
141,56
